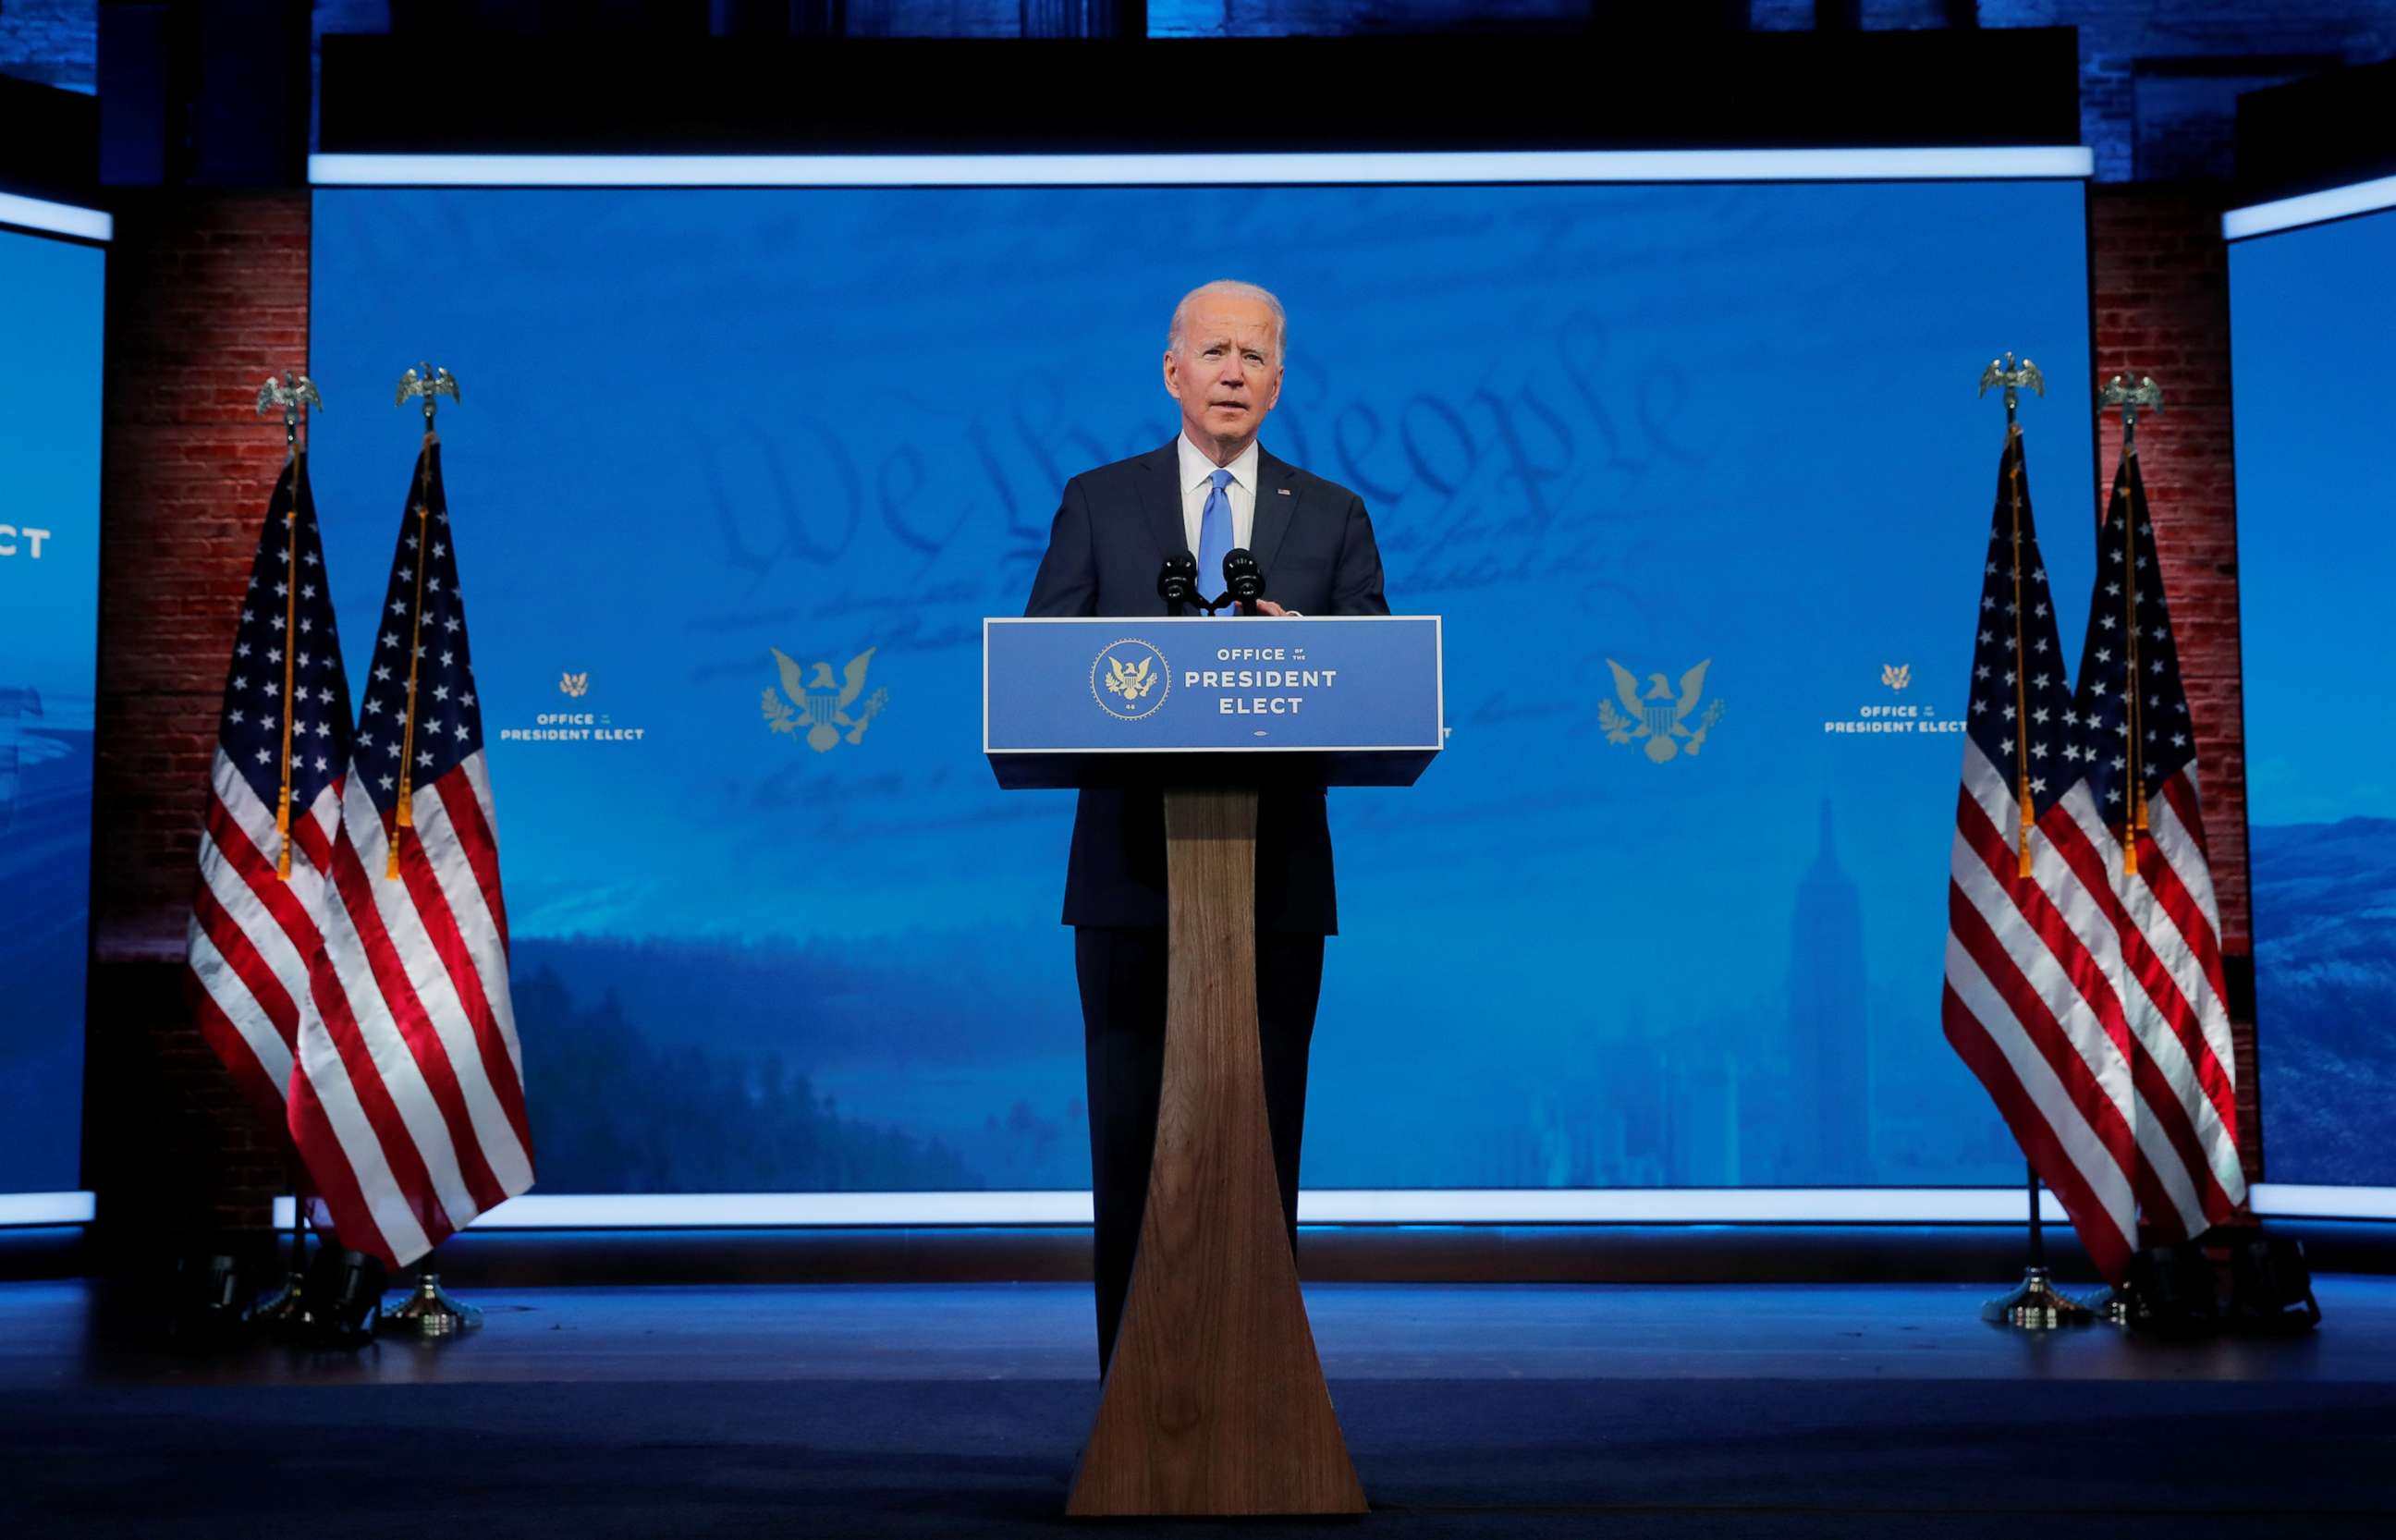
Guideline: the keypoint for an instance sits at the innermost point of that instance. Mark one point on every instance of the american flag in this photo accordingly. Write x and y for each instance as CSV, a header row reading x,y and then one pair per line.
x,y
2141,823
284,727
408,1101
2031,954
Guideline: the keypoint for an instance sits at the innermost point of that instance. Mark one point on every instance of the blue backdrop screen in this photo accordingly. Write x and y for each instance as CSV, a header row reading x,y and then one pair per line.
x,y
2310,315
50,307
1665,426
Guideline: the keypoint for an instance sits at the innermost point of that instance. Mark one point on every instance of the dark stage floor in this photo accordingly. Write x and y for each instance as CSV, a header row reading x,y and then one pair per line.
x,y
1625,1410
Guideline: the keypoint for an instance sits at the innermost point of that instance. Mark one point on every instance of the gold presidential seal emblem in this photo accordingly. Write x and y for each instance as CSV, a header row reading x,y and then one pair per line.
x,y
1130,679
823,707
1660,714
1878,720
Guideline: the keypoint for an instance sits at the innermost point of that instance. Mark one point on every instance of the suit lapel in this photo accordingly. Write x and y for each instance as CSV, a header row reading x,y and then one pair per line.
x,y
1277,503
1160,501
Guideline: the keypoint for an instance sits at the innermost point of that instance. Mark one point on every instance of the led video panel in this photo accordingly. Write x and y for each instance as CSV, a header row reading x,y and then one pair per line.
x,y
1721,435
2310,315
50,312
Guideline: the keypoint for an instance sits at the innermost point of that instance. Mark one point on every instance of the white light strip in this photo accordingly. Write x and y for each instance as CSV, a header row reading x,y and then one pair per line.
x,y
1339,1206
57,218
767,1210
1398,1206
2335,202
46,1208
1675,1206
2294,1201
1510,166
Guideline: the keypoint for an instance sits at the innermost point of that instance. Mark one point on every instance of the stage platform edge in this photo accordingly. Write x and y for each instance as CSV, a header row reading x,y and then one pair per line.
x,y
1328,1253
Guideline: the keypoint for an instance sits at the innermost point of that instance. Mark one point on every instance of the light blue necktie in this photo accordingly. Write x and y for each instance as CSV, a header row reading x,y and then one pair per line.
x,y
1215,532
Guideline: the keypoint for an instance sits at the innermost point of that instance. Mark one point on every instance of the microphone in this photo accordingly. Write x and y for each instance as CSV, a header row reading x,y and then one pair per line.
x,y
1178,584
1242,580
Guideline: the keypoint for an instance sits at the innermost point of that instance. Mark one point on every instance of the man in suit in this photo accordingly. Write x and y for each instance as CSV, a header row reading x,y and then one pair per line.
x,y
1212,490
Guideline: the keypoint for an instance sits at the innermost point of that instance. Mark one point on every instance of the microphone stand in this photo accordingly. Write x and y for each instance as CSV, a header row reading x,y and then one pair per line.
x,y
1177,585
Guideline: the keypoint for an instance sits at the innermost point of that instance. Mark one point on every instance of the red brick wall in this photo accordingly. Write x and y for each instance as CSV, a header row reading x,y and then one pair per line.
x,y
2160,276
208,295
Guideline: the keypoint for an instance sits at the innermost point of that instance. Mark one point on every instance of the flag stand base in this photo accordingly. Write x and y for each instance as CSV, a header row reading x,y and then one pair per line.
x,y
430,1312
2036,1305
284,1312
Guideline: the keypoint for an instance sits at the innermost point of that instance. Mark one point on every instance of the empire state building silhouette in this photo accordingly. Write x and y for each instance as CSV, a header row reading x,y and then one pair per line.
x,y
1828,1042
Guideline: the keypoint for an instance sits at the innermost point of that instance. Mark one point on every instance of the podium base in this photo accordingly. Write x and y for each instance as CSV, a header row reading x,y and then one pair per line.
x,y
1215,1402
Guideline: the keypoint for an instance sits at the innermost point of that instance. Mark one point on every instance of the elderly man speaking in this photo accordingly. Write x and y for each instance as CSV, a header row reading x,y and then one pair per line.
x,y
1213,489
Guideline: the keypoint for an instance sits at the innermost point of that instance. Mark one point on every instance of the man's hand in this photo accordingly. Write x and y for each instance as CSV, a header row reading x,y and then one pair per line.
x,y
1266,606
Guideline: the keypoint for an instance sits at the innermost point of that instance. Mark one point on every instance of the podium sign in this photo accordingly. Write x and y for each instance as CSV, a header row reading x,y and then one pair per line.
x,y
1214,1401
1342,701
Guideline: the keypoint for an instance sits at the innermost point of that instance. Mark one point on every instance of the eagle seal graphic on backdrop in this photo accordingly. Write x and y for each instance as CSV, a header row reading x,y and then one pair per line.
x,y
820,703
1660,714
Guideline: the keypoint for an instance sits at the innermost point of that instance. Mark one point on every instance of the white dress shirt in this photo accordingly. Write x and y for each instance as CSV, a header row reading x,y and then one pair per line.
x,y
1197,479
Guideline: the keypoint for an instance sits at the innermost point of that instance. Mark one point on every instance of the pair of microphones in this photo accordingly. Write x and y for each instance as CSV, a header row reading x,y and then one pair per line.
x,y
1243,582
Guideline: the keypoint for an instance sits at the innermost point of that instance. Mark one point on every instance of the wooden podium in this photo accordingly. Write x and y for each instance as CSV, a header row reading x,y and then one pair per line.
x,y
1214,1401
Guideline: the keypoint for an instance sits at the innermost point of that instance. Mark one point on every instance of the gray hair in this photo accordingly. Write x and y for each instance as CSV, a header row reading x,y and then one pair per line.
x,y
1243,291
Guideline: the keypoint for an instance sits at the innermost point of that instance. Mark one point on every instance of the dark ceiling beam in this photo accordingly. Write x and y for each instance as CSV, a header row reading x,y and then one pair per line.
x,y
1588,90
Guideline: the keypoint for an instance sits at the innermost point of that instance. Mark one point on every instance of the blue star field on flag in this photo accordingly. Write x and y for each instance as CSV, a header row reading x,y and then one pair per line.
x,y
2020,711
413,1122
2129,624
423,614
286,639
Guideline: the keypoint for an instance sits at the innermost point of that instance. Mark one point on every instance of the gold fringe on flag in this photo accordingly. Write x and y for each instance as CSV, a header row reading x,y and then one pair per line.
x,y
2021,663
2137,820
290,634
405,817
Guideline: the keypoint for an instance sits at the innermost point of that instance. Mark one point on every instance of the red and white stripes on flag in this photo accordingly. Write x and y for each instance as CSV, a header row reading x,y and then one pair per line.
x,y
273,810
407,1096
2141,824
2031,959
2084,1017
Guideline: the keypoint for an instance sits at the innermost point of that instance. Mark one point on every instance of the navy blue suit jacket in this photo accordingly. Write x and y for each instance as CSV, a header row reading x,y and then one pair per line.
x,y
1114,528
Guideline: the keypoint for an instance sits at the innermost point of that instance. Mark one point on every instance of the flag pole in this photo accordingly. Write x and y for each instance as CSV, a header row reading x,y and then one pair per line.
x,y
2110,1303
428,1310
2002,372
429,385
294,1314
2034,1304
291,393
287,1311
2130,399
2037,1223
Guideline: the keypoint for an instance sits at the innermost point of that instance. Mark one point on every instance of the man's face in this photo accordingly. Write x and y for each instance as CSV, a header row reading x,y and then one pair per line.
x,y
1226,372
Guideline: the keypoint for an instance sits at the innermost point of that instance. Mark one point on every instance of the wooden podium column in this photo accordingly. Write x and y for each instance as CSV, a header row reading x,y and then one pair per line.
x,y
1214,1401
